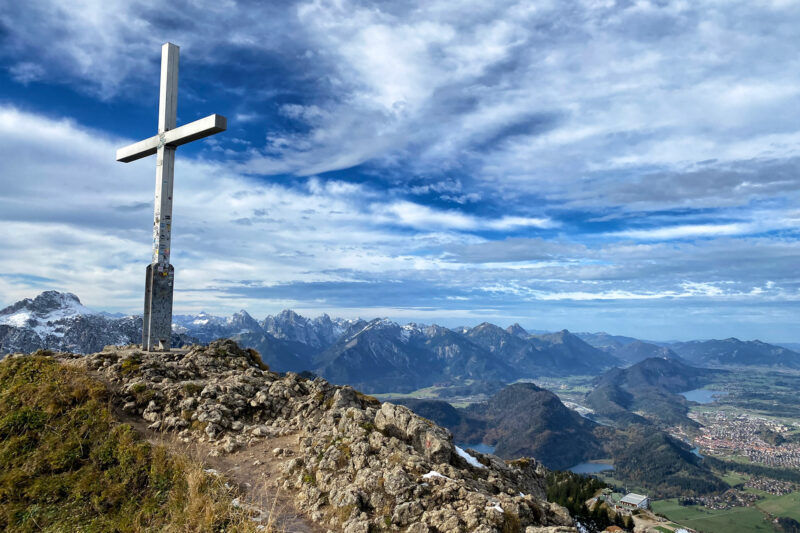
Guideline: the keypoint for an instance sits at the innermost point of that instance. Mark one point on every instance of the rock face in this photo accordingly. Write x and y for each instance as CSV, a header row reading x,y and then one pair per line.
x,y
359,465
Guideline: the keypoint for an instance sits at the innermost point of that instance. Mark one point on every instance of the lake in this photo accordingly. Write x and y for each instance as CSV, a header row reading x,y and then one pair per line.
x,y
478,447
703,395
591,468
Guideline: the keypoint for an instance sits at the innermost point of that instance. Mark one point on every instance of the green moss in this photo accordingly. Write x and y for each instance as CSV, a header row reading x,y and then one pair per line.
x,y
142,394
310,479
66,465
131,365
192,389
369,427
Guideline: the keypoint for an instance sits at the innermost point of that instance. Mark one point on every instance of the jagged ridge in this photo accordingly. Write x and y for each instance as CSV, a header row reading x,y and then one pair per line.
x,y
359,464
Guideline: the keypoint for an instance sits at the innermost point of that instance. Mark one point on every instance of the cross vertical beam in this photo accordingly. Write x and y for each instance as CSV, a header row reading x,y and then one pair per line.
x,y
160,275
165,158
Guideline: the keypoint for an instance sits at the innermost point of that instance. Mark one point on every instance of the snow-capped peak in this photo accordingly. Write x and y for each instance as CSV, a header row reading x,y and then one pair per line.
x,y
49,306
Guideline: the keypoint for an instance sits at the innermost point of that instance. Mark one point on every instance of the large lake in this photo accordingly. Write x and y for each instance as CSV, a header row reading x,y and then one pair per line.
x,y
478,447
591,468
703,395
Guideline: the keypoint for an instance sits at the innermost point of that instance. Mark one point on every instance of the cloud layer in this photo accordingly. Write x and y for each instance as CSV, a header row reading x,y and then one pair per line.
x,y
630,166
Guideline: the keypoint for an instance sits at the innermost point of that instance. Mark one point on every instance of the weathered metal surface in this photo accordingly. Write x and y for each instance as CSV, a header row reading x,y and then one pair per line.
x,y
162,219
168,93
157,327
157,323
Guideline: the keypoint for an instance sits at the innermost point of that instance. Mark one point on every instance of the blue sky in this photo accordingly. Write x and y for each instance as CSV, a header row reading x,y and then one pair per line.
x,y
592,165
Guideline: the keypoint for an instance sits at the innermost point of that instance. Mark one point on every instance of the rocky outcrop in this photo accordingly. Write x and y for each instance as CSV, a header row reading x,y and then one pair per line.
x,y
358,465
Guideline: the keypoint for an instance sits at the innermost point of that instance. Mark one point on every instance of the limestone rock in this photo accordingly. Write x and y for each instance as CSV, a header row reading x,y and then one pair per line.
x,y
358,465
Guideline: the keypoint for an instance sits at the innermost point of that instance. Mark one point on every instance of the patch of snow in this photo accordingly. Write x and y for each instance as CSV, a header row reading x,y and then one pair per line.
x,y
468,458
211,471
581,527
432,474
18,320
43,330
200,321
497,508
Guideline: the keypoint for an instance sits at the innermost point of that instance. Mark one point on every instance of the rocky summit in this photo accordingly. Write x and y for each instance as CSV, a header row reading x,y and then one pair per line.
x,y
347,461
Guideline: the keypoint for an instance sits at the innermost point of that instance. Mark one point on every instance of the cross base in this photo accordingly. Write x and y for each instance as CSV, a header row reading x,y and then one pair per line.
x,y
157,324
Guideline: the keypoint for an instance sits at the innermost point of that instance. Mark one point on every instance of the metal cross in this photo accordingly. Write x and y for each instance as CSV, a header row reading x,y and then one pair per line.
x,y
157,325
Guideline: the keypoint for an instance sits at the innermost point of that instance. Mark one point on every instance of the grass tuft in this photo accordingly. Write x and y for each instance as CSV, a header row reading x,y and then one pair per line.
x,y
66,465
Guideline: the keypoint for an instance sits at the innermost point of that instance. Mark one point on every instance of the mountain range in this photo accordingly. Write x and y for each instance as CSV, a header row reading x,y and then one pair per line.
x,y
730,352
377,355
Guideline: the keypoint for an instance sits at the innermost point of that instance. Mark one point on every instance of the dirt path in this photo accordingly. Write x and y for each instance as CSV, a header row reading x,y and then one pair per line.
x,y
255,470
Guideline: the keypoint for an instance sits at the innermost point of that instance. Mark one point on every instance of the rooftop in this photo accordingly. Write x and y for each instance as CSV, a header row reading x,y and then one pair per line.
x,y
634,499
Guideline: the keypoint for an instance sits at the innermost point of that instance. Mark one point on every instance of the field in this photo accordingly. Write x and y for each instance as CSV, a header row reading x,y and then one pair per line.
x,y
787,505
761,392
734,478
570,388
711,520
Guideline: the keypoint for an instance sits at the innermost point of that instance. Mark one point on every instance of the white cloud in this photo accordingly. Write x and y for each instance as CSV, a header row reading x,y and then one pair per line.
x,y
685,231
424,217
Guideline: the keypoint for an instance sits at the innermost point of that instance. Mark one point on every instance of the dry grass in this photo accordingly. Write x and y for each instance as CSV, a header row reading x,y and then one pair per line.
x,y
66,465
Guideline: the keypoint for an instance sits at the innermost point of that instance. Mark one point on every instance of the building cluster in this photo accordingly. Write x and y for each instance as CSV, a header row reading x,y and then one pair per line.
x,y
772,486
741,434
727,500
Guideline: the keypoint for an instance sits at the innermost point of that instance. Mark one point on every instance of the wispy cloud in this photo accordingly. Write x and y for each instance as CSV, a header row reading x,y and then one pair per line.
x,y
686,231
424,217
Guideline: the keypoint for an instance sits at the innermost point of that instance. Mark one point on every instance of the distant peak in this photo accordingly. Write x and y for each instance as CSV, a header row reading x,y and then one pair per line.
x,y
516,329
487,325
56,298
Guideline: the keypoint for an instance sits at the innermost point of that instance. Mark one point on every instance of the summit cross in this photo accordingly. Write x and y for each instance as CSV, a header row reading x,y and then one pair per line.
x,y
160,276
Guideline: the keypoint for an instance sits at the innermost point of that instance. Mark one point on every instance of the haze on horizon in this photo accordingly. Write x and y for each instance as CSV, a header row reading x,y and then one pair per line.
x,y
629,167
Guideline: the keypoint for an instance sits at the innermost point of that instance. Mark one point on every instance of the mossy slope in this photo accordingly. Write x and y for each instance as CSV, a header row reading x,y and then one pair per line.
x,y
66,465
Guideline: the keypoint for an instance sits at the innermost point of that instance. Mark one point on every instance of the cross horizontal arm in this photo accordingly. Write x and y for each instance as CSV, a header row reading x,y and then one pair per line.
x,y
187,133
